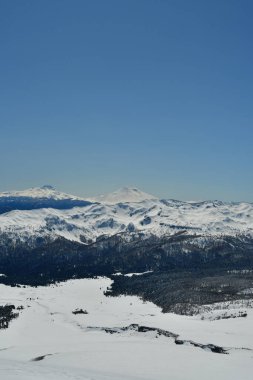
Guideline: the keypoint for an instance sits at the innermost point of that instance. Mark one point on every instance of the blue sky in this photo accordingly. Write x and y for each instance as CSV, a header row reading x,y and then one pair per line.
x,y
95,95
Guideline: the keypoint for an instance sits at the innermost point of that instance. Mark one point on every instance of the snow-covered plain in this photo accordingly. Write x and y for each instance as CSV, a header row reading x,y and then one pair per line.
x,y
76,347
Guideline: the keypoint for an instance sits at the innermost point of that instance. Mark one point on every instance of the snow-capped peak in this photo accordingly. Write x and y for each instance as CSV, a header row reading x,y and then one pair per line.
x,y
46,191
124,194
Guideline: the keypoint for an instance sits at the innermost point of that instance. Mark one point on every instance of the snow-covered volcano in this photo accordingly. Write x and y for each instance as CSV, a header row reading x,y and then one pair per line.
x,y
46,191
38,198
123,195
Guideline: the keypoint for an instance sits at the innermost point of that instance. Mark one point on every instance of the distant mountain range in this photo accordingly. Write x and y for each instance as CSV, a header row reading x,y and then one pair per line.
x,y
46,211
127,221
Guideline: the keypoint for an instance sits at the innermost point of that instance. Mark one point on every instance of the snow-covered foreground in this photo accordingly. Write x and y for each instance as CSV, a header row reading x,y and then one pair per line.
x,y
76,349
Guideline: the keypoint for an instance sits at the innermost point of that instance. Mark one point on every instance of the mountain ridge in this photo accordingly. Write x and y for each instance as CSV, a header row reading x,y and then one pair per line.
x,y
59,214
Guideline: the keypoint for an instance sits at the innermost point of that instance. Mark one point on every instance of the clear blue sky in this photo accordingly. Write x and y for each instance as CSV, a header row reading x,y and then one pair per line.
x,y
95,95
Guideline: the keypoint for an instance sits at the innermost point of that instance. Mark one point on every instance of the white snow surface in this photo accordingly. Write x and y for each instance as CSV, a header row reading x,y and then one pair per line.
x,y
77,349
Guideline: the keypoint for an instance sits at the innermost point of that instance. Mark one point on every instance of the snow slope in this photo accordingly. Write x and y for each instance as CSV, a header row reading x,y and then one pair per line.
x,y
77,347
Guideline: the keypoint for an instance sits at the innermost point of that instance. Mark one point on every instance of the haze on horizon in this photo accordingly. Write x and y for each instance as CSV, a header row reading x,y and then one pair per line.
x,y
151,94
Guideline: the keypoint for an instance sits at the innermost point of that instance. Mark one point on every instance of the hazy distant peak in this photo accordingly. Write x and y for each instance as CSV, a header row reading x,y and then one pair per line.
x,y
46,191
124,194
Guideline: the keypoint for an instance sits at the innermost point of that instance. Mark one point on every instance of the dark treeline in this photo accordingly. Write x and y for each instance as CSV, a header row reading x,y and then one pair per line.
x,y
62,259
